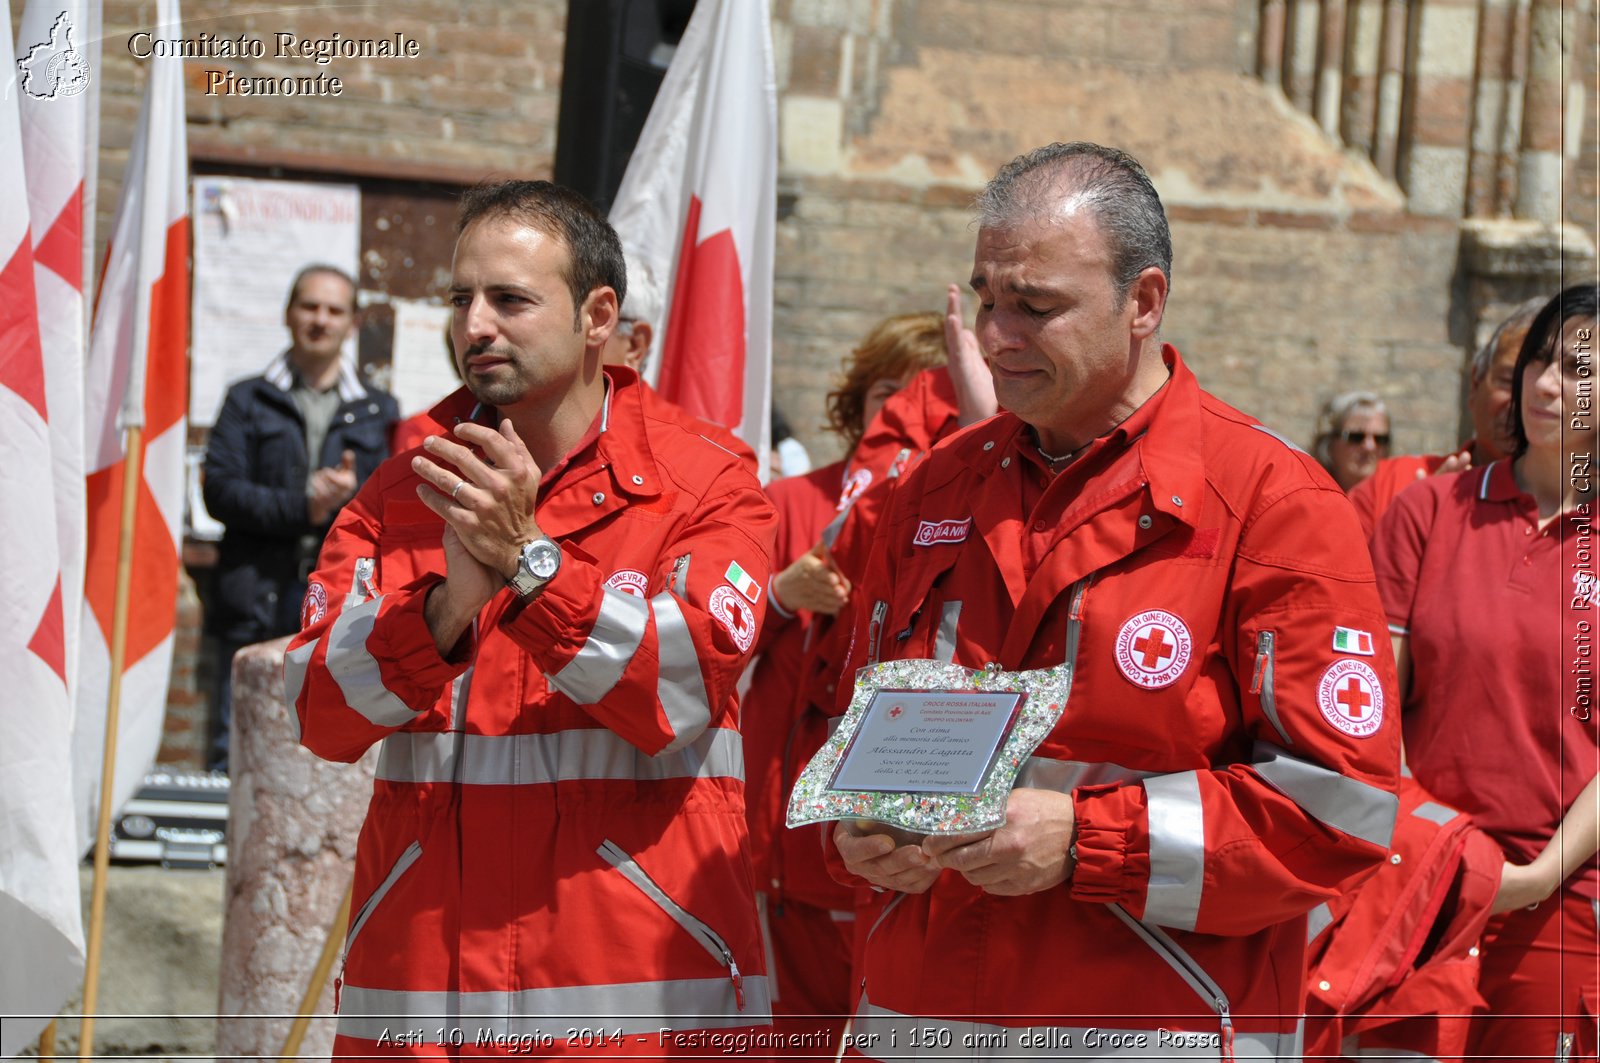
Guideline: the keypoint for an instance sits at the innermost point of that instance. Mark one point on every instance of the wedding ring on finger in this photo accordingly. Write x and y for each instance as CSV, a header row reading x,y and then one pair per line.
x,y
457,490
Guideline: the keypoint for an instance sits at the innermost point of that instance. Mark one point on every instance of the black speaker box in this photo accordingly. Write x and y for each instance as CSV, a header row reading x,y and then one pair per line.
x,y
617,52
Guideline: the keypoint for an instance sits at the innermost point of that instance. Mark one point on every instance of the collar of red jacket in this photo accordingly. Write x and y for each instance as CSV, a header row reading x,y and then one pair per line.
x,y
1169,454
621,442
1171,451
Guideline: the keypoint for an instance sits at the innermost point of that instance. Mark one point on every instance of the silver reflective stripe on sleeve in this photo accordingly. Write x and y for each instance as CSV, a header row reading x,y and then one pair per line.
x,y
1358,809
944,647
295,663
1177,850
1064,776
565,756
680,686
633,1007
876,1031
356,670
605,655
1318,919
1434,813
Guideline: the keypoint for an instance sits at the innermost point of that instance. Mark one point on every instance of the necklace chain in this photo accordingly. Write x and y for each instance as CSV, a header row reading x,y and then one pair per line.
x,y
1055,459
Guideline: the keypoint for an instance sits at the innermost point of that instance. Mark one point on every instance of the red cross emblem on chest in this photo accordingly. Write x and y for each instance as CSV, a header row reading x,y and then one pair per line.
x,y
1153,649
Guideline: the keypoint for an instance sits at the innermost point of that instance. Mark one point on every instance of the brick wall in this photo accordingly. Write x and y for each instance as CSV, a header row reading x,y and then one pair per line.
x,y
185,736
480,98
1300,269
1317,242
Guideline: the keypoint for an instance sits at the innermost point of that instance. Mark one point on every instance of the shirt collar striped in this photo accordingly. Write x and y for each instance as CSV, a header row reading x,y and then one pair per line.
x,y
281,375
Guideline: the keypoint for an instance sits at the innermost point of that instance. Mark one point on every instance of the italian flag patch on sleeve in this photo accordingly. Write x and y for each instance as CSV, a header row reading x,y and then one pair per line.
x,y
742,582
1349,640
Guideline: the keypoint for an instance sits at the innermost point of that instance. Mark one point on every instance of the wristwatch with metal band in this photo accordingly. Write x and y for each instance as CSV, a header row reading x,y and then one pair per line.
x,y
537,565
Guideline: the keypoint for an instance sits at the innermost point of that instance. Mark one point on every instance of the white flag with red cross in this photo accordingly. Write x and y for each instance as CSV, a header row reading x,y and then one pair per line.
x,y
698,208
58,52
41,962
137,375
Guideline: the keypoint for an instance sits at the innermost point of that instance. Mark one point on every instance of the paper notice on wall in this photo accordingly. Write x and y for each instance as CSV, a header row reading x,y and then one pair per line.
x,y
250,238
420,368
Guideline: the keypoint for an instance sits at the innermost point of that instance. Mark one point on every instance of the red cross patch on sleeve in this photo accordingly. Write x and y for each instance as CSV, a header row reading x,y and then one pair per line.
x,y
1351,698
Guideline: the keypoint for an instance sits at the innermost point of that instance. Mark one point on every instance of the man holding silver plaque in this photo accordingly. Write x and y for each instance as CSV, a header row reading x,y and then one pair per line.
x,y
1227,752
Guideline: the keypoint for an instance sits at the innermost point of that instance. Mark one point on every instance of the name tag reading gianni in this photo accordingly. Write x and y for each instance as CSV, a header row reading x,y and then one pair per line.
x,y
929,747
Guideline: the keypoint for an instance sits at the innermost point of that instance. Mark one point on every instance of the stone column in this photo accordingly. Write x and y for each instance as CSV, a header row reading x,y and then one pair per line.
x,y
1547,110
293,821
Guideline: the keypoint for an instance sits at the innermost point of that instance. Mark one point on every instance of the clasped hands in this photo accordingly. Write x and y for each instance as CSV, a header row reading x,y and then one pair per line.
x,y
488,508
1028,854
330,488
812,582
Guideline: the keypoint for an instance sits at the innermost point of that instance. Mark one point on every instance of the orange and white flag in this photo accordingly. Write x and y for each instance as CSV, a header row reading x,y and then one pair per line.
x,y
698,208
137,375
40,921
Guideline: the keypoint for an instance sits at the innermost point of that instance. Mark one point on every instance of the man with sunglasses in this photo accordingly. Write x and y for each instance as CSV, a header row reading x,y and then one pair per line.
x,y
1354,437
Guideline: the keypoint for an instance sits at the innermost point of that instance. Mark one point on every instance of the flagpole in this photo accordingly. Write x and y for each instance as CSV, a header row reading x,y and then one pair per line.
x,y
47,1041
132,474
319,978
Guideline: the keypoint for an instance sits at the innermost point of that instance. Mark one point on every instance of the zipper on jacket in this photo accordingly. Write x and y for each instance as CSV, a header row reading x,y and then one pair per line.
x,y
1075,620
709,939
679,583
1265,660
880,614
1262,682
362,587
402,864
1190,971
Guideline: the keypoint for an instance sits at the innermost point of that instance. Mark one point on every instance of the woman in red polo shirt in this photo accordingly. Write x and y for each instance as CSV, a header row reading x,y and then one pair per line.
x,y
1488,577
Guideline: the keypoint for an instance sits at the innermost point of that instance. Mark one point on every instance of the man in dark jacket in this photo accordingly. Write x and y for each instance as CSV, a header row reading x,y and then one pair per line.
x,y
288,449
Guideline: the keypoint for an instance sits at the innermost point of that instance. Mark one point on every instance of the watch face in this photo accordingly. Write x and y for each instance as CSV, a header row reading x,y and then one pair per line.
x,y
543,558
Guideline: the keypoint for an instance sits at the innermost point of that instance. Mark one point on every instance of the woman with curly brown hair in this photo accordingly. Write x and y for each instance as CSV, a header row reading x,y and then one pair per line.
x,y
805,914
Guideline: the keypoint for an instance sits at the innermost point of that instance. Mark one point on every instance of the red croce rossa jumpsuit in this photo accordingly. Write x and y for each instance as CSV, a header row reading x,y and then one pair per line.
x,y
556,847
1232,758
